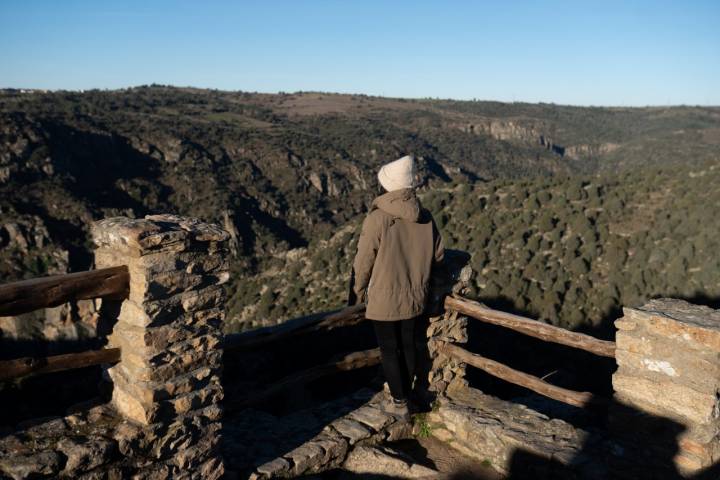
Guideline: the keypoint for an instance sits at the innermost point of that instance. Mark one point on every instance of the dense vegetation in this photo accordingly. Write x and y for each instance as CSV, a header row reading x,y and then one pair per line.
x,y
276,168
563,207
568,250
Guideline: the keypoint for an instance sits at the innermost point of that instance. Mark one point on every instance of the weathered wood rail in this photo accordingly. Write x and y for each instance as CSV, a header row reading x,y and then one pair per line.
x,y
34,294
21,367
113,283
46,292
351,361
353,315
534,329
497,369
294,328
344,317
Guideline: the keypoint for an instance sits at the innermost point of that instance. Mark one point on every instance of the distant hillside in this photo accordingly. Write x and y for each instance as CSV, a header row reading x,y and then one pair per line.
x,y
281,171
568,250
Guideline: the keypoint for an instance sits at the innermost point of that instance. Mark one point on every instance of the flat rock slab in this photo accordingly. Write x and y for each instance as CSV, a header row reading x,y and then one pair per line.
x,y
351,430
523,443
385,461
53,446
85,455
372,416
306,456
274,468
495,431
697,326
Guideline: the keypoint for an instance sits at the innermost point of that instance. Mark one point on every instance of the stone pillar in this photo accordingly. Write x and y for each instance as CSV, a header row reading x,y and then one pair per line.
x,y
668,356
453,277
167,383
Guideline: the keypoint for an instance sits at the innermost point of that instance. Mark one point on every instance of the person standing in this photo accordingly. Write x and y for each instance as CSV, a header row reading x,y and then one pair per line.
x,y
398,246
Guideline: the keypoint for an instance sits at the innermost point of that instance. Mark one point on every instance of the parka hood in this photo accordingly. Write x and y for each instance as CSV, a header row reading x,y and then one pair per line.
x,y
399,203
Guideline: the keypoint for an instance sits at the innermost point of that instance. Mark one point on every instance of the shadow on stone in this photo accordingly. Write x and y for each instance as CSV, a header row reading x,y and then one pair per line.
x,y
644,447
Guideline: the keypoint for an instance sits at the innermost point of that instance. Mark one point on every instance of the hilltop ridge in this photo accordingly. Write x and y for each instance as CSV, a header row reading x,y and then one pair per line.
x,y
283,171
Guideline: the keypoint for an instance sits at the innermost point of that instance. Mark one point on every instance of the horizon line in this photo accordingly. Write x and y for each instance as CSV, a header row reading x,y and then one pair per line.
x,y
300,92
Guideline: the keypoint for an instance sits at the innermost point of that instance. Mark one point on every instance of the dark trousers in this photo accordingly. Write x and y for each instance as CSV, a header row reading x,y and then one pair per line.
x,y
397,350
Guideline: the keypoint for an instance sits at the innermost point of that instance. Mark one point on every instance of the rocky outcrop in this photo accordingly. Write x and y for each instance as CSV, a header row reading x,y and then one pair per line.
x,y
584,151
537,133
517,130
323,184
529,132
24,235
19,148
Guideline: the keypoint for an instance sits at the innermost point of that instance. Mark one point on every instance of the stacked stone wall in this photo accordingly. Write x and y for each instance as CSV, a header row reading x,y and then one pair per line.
x,y
163,420
167,383
447,326
668,355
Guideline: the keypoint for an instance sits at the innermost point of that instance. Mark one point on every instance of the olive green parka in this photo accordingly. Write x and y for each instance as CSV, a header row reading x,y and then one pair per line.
x,y
398,245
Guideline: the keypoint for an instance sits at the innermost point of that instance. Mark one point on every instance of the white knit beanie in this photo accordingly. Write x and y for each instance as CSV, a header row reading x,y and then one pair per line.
x,y
399,174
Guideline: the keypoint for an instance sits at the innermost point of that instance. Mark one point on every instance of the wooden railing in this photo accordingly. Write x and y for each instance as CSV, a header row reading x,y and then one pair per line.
x,y
351,361
312,323
112,283
353,315
21,367
531,328
29,295
320,322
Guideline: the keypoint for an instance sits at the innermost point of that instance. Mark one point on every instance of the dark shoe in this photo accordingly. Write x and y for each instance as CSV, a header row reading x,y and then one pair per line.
x,y
397,408
423,400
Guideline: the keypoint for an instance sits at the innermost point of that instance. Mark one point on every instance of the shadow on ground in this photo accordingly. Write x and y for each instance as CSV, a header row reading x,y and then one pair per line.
x,y
266,429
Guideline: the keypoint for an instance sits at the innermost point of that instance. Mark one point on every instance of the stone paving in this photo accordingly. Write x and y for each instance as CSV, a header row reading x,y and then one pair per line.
x,y
259,445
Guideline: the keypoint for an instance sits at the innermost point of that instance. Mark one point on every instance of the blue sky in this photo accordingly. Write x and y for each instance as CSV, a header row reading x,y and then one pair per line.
x,y
568,52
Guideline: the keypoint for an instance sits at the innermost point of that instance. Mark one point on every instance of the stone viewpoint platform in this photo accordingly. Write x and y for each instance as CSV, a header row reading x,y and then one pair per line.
x,y
165,416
